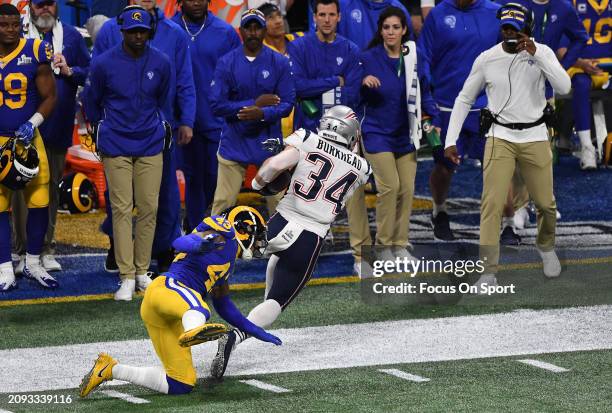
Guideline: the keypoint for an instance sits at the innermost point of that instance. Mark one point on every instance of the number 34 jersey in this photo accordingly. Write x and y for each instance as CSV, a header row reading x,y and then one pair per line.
x,y
325,176
18,93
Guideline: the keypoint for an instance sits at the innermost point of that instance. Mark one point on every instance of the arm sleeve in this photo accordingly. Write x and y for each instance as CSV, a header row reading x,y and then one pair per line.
x,y
230,313
577,36
471,89
80,67
306,87
190,243
285,88
219,94
288,158
547,61
185,87
94,90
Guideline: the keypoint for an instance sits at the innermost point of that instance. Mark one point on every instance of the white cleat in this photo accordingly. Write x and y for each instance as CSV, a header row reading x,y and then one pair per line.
x,y
36,272
521,218
49,263
588,160
489,279
552,266
7,279
143,281
126,291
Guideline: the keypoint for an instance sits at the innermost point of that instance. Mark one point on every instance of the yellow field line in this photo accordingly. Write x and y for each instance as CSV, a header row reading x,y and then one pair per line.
x,y
259,286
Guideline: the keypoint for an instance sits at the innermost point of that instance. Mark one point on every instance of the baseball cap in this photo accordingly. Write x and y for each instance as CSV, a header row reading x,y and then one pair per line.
x,y
37,2
252,15
513,17
135,18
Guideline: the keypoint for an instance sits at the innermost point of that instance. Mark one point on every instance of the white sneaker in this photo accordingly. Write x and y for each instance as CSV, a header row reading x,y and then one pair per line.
x,y
588,161
552,266
402,253
488,279
20,265
7,279
143,281
49,263
521,218
126,291
36,272
362,269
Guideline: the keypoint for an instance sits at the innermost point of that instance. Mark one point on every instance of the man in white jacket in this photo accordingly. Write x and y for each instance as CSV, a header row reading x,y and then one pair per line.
x,y
514,73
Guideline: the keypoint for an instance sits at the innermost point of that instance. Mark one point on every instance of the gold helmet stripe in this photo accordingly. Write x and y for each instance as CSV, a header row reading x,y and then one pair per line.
x,y
76,196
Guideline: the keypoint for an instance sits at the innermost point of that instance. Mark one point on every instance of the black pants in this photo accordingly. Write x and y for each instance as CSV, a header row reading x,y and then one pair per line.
x,y
291,268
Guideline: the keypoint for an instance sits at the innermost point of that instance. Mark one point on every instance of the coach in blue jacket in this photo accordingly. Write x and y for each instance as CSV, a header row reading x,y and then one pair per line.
x,y
252,90
322,62
210,38
128,106
179,110
71,65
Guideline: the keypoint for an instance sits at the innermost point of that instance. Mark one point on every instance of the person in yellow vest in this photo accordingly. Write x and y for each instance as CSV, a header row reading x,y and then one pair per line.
x,y
277,39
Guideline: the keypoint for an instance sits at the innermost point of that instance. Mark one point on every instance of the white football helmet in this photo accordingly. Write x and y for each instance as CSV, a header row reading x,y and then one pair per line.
x,y
340,124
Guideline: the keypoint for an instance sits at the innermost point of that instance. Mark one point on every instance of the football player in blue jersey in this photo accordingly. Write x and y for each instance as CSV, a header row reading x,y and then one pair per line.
x,y
174,311
27,97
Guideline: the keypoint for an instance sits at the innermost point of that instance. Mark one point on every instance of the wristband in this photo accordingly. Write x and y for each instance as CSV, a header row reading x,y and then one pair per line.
x,y
36,120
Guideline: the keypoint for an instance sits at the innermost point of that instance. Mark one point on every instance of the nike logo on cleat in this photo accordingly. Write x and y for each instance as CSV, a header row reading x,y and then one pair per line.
x,y
102,371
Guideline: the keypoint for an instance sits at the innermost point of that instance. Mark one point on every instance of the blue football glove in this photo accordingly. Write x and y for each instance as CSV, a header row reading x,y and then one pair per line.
x,y
273,145
25,133
207,243
263,335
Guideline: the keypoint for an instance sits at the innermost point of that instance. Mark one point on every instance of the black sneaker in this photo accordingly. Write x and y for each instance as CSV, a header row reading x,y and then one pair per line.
x,y
441,227
110,265
225,345
509,237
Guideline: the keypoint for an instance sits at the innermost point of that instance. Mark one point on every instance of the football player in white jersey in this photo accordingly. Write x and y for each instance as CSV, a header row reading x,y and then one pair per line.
x,y
326,174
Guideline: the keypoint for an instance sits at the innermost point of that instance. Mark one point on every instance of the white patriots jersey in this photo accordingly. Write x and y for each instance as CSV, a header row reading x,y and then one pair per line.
x,y
325,176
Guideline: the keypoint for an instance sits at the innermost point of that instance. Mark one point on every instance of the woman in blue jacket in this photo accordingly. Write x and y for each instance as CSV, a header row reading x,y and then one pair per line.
x,y
386,131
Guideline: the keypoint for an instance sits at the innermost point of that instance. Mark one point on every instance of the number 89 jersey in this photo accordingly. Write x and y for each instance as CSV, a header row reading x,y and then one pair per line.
x,y
325,176
18,93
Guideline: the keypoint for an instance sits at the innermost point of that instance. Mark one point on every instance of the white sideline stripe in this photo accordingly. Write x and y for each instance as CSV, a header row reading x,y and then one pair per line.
x,y
265,386
523,333
124,396
544,365
404,375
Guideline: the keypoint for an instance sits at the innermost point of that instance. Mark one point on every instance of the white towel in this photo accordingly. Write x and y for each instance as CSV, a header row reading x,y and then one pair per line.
x,y
31,32
413,94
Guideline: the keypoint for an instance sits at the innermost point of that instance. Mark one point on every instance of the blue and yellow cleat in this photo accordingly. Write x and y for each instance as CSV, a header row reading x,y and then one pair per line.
x,y
101,371
202,334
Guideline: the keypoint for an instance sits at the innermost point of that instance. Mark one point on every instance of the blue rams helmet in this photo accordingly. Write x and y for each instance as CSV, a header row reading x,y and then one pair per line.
x,y
18,164
77,193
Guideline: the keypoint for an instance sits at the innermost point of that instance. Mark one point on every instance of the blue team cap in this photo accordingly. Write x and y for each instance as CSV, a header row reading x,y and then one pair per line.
x,y
135,18
37,2
252,15
513,17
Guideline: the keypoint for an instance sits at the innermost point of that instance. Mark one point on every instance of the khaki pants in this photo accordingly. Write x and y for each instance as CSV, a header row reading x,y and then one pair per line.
x,y
57,161
394,176
229,182
535,162
133,182
359,227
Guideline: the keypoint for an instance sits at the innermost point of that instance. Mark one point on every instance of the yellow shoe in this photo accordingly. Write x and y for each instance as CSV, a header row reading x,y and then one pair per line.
x,y
202,334
101,371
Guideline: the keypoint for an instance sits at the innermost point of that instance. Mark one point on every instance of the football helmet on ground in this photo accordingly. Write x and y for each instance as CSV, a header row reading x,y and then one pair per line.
x,y
77,193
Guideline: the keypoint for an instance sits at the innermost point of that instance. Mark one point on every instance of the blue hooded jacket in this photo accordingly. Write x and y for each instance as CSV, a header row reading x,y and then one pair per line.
x,y
179,108
450,41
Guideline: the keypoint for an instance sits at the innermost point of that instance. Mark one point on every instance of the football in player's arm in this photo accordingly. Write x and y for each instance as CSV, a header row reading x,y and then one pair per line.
x,y
174,311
